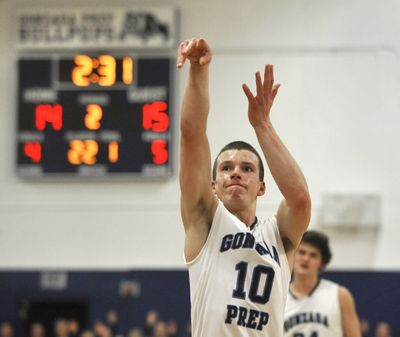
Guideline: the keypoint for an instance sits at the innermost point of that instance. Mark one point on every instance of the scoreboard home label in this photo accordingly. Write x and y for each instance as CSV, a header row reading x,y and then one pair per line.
x,y
88,110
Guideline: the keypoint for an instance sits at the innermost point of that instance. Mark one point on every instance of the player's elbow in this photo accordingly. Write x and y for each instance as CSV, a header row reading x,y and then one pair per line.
x,y
186,128
302,203
187,137
190,130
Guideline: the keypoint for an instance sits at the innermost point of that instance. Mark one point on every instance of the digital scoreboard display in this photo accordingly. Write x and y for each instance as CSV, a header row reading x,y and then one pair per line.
x,y
95,114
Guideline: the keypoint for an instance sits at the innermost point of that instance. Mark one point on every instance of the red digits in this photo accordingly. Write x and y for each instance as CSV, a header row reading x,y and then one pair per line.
x,y
159,151
155,117
33,151
46,113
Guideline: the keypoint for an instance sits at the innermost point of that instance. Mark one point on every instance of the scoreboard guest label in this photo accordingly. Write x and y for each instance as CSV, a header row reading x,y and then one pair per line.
x,y
95,112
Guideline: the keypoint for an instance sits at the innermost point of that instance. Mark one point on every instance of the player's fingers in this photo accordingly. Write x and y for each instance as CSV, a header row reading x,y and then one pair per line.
x,y
201,43
268,78
205,59
189,46
206,51
275,89
180,61
247,92
181,54
272,74
259,84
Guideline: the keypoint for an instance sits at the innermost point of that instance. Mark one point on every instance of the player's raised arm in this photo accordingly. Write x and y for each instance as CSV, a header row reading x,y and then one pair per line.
x,y
294,211
197,200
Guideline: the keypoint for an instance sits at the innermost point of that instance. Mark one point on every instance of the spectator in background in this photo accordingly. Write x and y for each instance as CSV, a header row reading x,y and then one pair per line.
x,y
112,322
151,320
60,328
87,333
364,327
160,329
172,329
6,329
99,329
106,332
102,330
383,329
188,330
37,330
73,327
135,332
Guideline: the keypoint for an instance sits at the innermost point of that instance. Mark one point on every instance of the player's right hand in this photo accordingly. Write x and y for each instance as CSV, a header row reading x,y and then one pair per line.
x,y
196,50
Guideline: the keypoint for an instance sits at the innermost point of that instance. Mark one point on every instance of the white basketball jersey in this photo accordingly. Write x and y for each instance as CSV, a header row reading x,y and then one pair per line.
x,y
240,279
316,315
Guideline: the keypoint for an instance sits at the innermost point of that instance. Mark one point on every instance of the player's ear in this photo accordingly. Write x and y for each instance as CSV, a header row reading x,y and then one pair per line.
x,y
262,189
214,187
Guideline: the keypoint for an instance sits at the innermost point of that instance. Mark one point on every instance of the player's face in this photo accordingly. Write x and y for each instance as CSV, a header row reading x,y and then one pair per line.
x,y
307,260
237,182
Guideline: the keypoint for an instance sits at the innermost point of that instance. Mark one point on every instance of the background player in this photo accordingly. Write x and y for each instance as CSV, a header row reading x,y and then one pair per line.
x,y
317,307
239,267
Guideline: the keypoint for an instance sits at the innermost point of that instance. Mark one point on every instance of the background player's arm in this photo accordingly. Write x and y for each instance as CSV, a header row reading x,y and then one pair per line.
x,y
294,211
350,321
197,200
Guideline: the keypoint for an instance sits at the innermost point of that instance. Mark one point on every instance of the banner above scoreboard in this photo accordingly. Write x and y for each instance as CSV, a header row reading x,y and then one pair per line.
x,y
150,27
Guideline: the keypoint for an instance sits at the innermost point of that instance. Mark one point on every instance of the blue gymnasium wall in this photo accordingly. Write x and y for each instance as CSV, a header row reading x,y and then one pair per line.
x,y
377,295
165,291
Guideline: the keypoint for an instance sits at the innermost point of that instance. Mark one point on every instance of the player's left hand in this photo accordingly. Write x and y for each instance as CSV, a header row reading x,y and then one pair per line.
x,y
260,105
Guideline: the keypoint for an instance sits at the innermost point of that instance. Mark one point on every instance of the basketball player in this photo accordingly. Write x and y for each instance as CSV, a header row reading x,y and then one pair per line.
x,y
239,266
317,307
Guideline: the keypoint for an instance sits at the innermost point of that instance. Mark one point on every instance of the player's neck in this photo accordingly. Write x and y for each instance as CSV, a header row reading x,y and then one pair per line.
x,y
247,215
304,285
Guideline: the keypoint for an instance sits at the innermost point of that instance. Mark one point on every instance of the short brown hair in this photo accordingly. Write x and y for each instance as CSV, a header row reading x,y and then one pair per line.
x,y
321,242
240,145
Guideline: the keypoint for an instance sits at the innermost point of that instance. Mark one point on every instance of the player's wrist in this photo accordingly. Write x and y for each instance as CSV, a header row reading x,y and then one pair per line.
x,y
263,127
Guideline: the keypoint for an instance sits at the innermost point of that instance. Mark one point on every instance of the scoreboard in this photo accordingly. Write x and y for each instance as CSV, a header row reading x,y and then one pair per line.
x,y
94,115
101,111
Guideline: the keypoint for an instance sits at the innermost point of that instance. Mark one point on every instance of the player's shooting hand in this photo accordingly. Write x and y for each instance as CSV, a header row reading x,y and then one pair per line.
x,y
260,105
197,51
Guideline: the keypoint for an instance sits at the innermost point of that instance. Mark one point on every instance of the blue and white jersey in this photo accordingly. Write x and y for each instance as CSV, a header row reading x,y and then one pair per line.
x,y
316,315
240,279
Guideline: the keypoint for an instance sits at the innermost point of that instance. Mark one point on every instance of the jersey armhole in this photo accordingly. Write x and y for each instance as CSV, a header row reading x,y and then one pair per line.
x,y
209,236
280,243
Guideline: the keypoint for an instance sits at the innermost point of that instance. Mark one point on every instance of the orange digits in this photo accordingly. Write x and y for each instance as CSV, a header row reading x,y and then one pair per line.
x,y
94,113
84,67
82,152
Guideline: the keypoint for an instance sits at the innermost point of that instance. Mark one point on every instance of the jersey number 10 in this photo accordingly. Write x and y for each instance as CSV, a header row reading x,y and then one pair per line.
x,y
260,272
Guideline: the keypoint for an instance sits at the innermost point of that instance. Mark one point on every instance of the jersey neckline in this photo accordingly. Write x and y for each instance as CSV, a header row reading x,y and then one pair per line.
x,y
308,295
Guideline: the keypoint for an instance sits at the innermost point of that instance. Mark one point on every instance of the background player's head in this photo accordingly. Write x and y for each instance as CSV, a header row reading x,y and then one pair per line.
x,y
239,145
320,241
313,253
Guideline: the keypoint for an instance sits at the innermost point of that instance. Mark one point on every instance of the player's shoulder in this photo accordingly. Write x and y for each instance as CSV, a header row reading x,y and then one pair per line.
x,y
326,284
271,232
344,293
332,284
269,223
